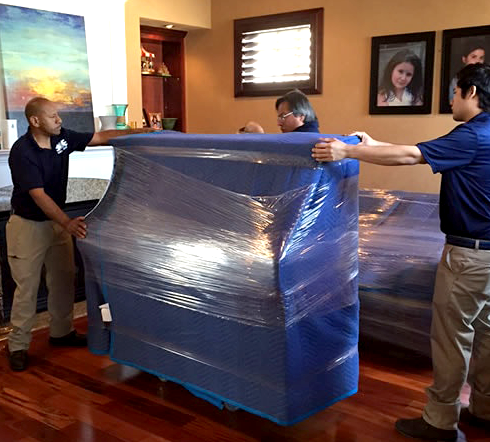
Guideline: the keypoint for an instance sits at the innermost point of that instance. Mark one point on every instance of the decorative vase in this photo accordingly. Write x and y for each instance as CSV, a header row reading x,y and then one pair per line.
x,y
107,122
120,111
168,123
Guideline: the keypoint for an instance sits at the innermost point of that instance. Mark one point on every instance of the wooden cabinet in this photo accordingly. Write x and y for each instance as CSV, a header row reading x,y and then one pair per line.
x,y
165,94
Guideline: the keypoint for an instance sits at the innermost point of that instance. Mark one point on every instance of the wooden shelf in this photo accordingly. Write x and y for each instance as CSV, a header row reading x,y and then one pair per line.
x,y
166,97
149,74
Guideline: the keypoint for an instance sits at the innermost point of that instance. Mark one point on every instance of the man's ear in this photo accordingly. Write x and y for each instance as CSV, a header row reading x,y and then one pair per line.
x,y
34,121
472,92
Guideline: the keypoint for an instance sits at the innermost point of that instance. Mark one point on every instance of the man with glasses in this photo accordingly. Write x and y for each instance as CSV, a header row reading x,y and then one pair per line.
x,y
294,114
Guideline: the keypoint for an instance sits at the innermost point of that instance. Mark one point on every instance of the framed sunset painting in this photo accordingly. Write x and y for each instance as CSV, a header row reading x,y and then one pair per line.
x,y
44,53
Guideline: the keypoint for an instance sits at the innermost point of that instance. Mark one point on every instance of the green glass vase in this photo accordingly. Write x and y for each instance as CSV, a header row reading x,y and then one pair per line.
x,y
120,111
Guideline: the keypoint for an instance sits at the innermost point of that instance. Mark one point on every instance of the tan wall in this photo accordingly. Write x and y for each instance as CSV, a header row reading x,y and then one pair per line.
x,y
343,106
187,14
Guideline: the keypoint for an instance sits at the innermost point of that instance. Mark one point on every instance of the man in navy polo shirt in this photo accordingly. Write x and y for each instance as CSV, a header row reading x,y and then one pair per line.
x,y
460,334
39,232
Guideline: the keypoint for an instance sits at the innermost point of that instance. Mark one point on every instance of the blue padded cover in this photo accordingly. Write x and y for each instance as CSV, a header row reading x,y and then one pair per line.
x,y
399,249
230,265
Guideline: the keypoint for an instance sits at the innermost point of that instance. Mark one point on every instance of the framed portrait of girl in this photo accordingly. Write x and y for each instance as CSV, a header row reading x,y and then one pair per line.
x,y
155,120
402,67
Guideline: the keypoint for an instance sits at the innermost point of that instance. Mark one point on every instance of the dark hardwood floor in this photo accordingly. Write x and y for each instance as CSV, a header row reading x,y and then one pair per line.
x,y
71,395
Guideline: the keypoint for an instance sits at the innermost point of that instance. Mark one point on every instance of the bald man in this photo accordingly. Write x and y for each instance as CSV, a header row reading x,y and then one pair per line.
x,y
251,128
39,232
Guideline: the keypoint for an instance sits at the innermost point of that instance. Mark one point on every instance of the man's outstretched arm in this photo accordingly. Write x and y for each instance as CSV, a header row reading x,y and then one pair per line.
x,y
102,138
369,150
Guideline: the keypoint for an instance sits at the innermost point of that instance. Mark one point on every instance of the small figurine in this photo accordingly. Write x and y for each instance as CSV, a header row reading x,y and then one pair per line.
x,y
147,64
163,70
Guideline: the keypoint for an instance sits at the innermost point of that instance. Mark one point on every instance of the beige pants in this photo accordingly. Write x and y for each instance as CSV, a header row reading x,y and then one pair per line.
x,y
460,336
30,244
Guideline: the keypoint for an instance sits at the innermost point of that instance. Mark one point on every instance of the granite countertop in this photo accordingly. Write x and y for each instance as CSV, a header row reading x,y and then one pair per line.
x,y
79,189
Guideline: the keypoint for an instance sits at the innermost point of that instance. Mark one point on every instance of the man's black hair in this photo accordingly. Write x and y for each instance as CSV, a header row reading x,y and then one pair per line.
x,y
477,75
298,104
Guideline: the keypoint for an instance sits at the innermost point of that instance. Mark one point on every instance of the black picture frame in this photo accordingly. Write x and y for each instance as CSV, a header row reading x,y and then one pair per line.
x,y
385,52
146,120
459,46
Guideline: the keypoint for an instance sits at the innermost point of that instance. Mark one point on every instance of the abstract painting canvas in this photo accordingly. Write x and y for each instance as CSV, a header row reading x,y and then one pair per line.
x,y
45,53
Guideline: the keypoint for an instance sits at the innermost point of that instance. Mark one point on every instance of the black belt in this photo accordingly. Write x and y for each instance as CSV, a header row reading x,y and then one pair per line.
x,y
469,243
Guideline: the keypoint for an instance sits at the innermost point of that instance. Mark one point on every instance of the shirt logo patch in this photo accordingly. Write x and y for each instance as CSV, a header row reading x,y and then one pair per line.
x,y
61,146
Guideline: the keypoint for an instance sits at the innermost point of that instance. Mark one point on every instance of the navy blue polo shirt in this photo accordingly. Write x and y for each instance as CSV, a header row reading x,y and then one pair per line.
x,y
32,167
463,158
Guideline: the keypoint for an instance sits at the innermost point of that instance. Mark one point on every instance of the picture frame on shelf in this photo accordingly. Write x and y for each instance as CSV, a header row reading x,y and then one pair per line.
x,y
402,67
155,120
146,120
460,47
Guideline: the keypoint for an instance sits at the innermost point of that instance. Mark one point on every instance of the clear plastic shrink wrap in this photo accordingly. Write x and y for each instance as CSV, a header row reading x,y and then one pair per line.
x,y
229,264
400,244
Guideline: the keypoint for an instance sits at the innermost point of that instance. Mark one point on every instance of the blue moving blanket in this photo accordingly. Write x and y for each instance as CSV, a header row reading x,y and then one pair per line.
x,y
229,263
400,246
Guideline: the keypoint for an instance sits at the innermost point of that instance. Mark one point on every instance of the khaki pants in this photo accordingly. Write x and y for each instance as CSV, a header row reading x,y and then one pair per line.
x,y
460,336
30,244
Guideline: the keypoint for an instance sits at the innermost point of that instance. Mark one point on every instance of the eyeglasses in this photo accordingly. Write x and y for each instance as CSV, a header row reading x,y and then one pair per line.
x,y
283,117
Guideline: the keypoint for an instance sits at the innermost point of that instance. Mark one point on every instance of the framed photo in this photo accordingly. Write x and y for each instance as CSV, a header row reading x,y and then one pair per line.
x,y
402,67
460,47
145,119
155,120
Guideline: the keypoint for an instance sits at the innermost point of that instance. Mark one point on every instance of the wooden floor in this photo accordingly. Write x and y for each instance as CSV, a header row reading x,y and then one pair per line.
x,y
71,395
